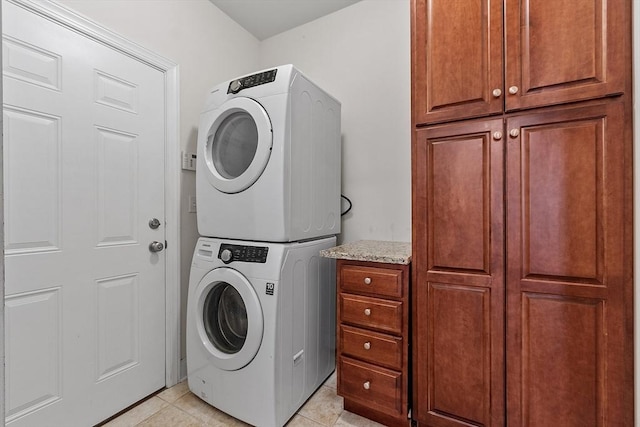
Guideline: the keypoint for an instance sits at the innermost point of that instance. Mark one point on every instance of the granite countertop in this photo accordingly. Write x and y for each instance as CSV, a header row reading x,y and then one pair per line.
x,y
371,250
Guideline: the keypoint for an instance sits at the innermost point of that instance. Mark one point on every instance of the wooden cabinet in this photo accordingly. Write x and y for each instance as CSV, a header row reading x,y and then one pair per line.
x,y
458,288
566,258
562,174
483,57
522,213
373,340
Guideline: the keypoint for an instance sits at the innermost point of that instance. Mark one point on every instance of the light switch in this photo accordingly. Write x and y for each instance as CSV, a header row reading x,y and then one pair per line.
x,y
189,161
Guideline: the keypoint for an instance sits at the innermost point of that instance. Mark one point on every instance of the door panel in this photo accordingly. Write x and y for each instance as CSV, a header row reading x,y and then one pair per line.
x,y
559,52
460,354
33,143
42,370
563,167
563,341
84,151
457,51
565,304
458,286
117,191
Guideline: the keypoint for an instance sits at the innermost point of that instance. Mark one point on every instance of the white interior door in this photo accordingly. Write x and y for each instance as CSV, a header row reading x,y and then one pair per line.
x,y
84,160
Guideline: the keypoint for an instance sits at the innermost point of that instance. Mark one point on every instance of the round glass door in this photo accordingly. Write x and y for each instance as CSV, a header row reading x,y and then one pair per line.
x,y
225,318
238,145
230,322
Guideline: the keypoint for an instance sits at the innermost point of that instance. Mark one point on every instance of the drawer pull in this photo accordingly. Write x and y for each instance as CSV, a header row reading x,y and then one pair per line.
x,y
367,280
366,385
367,312
367,345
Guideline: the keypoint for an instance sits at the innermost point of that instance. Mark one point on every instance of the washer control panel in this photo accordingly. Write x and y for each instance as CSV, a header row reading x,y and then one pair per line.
x,y
253,80
229,253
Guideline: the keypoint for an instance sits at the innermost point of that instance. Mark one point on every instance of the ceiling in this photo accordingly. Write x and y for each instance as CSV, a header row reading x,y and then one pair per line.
x,y
266,18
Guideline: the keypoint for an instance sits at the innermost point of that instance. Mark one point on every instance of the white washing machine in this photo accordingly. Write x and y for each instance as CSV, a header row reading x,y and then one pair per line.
x,y
268,162
260,326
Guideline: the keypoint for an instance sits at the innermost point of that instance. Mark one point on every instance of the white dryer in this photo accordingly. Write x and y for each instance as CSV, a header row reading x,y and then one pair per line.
x,y
260,326
268,164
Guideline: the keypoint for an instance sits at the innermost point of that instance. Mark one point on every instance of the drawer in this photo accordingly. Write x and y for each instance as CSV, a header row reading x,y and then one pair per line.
x,y
371,280
376,313
370,385
371,346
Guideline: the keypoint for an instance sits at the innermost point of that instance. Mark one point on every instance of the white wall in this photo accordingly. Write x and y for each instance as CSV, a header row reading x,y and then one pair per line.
x,y
361,56
209,48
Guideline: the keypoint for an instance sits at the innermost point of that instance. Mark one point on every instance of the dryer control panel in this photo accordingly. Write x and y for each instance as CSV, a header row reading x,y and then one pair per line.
x,y
253,80
229,253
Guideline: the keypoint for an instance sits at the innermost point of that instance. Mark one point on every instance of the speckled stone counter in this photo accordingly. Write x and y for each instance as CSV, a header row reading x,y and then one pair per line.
x,y
371,250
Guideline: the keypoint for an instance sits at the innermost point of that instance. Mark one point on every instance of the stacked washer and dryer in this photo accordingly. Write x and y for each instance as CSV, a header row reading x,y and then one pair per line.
x,y
261,304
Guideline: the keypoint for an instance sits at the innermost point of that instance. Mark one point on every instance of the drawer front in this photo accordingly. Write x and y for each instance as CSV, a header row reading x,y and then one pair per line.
x,y
373,313
370,385
371,346
379,281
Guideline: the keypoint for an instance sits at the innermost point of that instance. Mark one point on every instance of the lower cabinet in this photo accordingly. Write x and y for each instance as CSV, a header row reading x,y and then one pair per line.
x,y
373,340
522,289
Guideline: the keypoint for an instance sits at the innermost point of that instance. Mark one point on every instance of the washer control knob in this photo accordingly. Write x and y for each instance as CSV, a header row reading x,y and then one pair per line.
x,y
226,256
235,86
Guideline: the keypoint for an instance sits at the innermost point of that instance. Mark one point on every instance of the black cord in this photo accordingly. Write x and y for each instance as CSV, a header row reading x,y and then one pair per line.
x,y
350,205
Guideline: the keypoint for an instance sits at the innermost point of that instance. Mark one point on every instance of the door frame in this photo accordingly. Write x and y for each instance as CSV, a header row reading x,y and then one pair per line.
x,y
70,19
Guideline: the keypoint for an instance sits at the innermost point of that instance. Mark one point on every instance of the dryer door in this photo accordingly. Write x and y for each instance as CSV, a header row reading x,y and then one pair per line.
x,y
229,318
238,145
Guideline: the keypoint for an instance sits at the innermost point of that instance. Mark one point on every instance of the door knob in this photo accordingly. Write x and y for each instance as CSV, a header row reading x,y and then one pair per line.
x,y
156,246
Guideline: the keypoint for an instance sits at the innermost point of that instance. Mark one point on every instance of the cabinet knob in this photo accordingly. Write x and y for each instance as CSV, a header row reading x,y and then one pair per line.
x,y
367,345
366,385
367,280
367,312
514,133
497,135
513,90
496,93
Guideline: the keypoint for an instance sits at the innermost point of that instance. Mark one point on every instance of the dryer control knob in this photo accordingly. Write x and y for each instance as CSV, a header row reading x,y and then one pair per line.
x,y
235,86
226,256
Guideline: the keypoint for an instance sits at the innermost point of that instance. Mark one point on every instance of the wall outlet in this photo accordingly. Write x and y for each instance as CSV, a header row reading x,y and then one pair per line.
x,y
188,161
193,207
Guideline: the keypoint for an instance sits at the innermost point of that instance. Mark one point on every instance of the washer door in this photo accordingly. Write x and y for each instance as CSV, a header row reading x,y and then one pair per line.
x,y
229,318
238,145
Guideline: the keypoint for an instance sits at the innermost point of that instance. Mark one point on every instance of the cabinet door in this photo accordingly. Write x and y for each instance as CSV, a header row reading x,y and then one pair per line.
x,y
457,59
568,273
564,51
458,287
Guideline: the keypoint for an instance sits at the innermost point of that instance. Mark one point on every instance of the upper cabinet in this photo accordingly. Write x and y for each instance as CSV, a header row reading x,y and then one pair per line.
x,y
483,57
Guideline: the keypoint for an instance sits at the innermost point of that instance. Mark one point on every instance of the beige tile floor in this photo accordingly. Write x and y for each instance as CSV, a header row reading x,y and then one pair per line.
x,y
178,407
